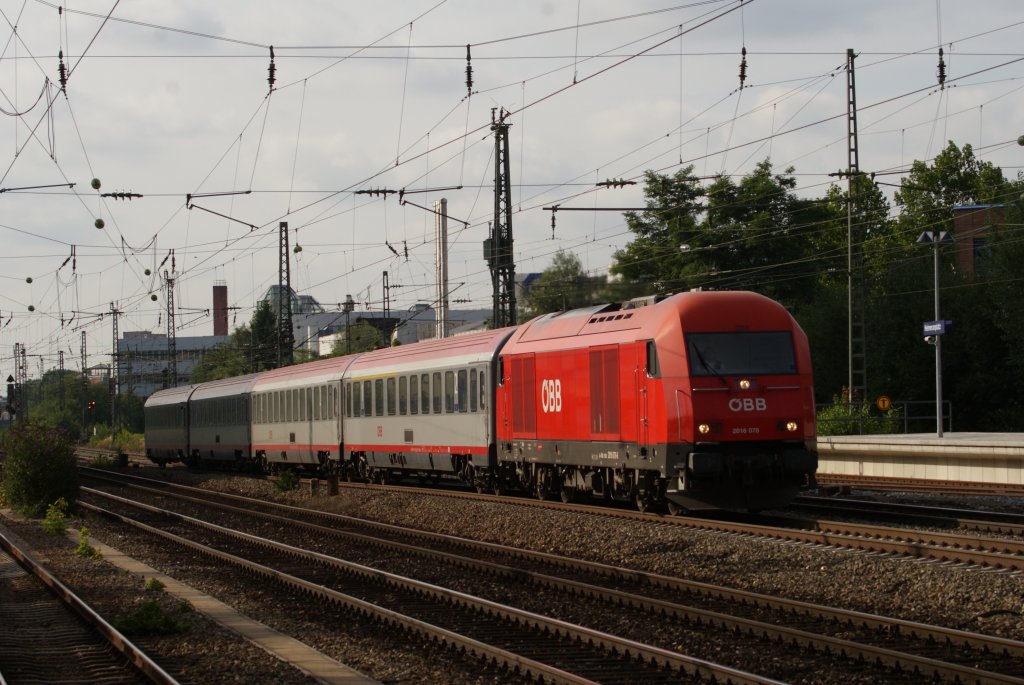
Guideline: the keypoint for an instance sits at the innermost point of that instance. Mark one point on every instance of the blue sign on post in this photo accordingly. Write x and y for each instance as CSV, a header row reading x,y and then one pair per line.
x,y
936,327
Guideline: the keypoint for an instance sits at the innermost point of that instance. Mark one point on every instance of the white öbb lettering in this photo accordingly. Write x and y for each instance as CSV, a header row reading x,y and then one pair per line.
x,y
748,404
551,395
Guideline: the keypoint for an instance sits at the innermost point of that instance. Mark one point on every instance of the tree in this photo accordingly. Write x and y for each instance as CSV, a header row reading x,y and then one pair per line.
x,y
563,285
39,468
250,349
666,248
363,336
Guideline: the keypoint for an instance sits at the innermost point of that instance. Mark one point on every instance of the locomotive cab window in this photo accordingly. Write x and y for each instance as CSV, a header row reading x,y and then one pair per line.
x,y
653,369
747,353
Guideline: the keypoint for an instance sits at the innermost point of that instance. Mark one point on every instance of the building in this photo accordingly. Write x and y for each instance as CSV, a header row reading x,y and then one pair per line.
x,y
143,368
142,360
972,226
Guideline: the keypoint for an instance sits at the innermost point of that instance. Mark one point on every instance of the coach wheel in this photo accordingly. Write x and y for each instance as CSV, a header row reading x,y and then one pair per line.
x,y
675,509
568,495
644,501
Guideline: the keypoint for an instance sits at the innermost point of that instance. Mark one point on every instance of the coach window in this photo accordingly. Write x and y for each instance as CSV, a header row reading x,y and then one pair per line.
x,y
378,397
317,391
367,398
300,405
414,391
437,393
462,399
425,393
483,389
391,395
472,390
326,394
449,392
357,399
348,399
403,395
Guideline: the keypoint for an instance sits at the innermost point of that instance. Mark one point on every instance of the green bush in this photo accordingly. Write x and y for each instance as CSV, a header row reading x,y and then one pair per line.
x,y
287,481
857,418
84,548
54,523
40,467
154,585
151,619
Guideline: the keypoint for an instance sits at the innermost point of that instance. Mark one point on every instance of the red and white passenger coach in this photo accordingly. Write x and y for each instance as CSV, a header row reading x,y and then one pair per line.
x,y
698,401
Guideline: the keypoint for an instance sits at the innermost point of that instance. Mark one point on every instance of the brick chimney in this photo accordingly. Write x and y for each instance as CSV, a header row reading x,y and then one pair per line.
x,y
220,308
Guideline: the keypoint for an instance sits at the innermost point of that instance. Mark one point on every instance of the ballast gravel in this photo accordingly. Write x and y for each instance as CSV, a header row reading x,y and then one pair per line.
x,y
990,602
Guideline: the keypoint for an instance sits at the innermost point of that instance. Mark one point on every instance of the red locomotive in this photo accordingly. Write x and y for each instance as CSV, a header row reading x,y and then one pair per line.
x,y
697,401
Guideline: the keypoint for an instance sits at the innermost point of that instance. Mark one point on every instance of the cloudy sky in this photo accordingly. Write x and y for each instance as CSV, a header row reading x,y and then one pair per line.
x,y
171,101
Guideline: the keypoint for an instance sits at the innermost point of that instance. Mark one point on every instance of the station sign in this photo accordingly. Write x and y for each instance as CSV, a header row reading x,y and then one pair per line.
x,y
937,327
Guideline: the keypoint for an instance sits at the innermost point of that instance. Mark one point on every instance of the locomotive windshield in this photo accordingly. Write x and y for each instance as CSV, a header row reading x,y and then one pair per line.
x,y
741,354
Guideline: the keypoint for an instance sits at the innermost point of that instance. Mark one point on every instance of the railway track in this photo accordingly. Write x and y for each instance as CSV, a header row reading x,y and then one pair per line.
x,y
891,647
1000,522
944,487
51,635
936,545
526,644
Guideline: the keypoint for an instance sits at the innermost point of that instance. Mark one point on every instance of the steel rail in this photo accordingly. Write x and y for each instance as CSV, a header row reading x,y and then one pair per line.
x,y
132,654
636,651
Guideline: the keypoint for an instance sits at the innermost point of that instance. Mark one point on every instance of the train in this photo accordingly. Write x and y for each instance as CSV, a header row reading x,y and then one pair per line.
x,y
688,402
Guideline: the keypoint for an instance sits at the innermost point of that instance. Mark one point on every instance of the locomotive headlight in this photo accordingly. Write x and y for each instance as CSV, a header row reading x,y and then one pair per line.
x,y
791,426
744,384
704,429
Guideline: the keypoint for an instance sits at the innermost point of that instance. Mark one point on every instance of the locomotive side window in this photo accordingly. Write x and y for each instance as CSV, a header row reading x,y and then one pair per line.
x,y
437,393
472,390
391,396
403,395
414,394
743,353
425,393
367,398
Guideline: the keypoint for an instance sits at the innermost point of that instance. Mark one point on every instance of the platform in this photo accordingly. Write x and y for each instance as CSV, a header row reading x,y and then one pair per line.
x,y
995,459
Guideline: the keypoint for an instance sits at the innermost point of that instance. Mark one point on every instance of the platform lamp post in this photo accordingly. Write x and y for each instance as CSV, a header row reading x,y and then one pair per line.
x,y
347,307
934,329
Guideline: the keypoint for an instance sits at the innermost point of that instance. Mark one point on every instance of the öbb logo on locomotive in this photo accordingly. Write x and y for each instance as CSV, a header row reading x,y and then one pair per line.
x,y
748,404
551,395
